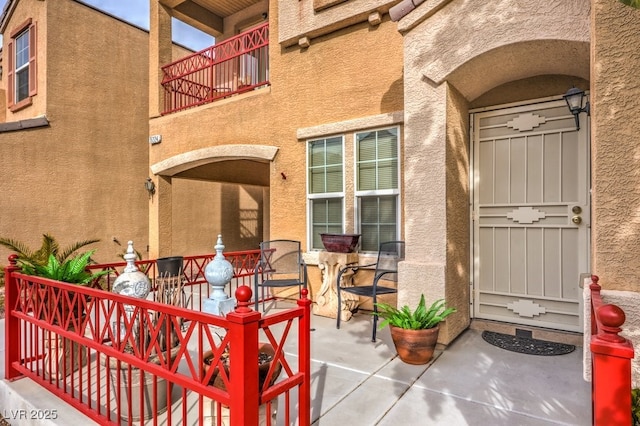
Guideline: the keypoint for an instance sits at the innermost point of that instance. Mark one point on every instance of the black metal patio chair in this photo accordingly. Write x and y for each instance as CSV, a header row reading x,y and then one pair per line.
x,y
280,265
385,269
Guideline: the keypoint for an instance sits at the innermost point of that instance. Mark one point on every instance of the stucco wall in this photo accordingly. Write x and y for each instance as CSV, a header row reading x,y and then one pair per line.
x,y
456,52
194,199
354,73
615,126
303,19
525,38
458,230
83,176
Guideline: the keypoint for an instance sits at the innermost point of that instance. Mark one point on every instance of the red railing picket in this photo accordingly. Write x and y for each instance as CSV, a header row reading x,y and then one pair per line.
x,y
611,356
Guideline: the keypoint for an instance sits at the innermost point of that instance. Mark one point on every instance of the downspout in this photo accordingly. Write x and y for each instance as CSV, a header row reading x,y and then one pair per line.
x,y
401,9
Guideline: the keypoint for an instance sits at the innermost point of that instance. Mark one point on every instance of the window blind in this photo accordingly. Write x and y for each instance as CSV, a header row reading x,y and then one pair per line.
x,y
377,160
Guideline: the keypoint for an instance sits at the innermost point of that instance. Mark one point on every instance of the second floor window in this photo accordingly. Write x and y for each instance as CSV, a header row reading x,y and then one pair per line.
x,y
22,66
326,187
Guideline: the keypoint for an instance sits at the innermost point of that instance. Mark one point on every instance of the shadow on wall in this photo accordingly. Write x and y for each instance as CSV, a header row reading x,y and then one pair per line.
x,y
245,206
204,209
393,99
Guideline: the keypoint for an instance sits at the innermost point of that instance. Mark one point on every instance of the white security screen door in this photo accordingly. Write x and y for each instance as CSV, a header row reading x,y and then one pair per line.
x,y
531,215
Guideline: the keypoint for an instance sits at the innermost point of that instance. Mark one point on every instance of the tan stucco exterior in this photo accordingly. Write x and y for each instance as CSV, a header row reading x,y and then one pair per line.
x,y
520,45
262,127
237,167
452,57
615,146
81,176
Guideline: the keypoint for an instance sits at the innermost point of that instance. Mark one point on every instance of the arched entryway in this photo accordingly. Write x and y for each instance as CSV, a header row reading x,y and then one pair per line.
x,y
523,53
203,193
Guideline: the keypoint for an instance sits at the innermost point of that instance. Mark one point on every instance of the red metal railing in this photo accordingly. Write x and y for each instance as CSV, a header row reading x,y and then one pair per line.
x,y
193,279
235,65
611,356
84,345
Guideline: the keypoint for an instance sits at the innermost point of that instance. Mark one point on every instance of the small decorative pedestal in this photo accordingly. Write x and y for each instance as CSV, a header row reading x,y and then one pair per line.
x,y
326,301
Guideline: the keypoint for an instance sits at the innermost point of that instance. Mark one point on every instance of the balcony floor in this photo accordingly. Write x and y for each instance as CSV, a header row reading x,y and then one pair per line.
x,y
357,382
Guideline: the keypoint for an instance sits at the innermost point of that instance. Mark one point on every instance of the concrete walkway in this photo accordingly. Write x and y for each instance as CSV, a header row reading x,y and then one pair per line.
x,y
359,383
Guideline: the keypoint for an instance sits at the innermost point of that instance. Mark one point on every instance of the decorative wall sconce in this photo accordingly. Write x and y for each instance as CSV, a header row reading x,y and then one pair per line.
x,y
150,187
575,98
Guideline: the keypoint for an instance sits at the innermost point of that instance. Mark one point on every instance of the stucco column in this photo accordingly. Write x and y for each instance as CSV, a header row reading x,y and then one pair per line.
x,y
423,271
437,214
615,125
160,220
159,53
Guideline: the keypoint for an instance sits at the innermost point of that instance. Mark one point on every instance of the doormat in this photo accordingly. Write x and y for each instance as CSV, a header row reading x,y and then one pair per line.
x,y
526,345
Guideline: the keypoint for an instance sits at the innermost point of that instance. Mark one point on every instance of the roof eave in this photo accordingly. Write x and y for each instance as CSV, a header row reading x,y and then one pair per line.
x,y
6,14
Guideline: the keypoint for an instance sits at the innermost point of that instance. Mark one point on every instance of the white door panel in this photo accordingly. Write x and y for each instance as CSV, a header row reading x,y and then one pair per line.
x,y
531,179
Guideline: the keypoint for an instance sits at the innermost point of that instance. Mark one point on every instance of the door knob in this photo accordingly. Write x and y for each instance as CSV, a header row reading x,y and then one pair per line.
x,y
577,220
576,209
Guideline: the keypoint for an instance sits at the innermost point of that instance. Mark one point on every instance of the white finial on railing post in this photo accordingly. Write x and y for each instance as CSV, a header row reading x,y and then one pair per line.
x,y
131,282
218,273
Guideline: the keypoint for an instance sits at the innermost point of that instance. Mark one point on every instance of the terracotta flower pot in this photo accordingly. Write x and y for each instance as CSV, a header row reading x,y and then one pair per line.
x,y
138,387
266,353
415,346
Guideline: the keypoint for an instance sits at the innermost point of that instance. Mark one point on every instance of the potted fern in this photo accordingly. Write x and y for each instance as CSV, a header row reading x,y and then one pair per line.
x,y
49,246
62,356
414,333
72,271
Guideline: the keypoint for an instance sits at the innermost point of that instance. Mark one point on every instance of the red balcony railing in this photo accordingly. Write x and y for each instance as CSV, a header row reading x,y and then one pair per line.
x,y
611,356
84,345
235,65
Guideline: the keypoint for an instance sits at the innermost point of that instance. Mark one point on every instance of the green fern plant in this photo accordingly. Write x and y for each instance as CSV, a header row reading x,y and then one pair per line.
x,y
70,271
635,406
48,247
632,3
419,319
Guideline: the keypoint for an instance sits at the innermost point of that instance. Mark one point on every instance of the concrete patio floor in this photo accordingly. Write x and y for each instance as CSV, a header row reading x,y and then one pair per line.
x,y
356,382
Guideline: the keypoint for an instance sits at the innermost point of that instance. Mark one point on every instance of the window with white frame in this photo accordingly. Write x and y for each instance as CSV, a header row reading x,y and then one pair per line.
x,y
22,66
325,187
377,190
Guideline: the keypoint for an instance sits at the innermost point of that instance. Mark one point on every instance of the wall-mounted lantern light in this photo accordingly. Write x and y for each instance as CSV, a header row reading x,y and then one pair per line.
x,y
150,187
575,98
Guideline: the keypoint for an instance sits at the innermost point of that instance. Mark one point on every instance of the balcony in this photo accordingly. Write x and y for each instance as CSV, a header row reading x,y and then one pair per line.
x,y
233,66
